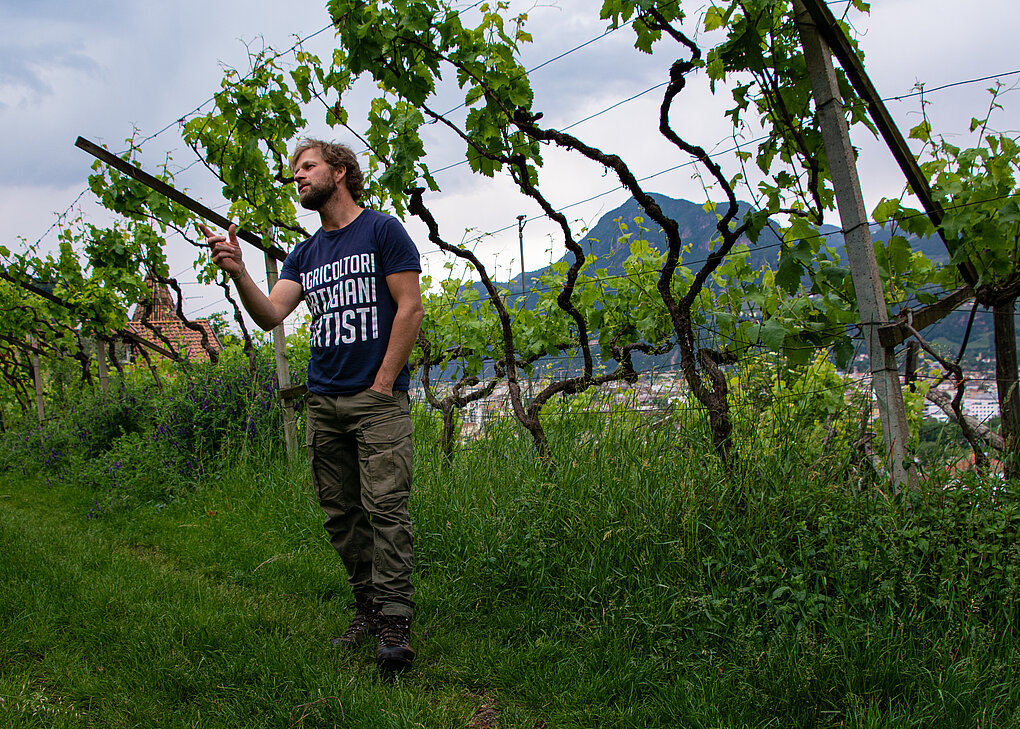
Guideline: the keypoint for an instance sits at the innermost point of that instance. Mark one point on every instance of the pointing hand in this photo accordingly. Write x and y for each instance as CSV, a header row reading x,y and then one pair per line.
x,y
226,251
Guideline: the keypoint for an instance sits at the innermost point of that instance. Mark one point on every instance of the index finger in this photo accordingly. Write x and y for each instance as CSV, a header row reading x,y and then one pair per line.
x,y
205,231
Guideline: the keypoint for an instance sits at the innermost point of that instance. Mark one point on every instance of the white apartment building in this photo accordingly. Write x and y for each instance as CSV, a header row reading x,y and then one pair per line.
x,y
981,406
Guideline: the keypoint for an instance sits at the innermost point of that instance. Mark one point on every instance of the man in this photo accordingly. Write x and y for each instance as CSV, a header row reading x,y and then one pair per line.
x,y
358,274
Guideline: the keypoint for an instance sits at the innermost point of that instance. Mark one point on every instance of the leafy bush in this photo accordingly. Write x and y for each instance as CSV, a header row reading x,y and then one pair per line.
x,y
136,470
87,429
99,421
138,444
22,447
213,409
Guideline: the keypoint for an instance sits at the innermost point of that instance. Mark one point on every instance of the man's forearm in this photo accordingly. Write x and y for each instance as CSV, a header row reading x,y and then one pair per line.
x,y
255,302
267,311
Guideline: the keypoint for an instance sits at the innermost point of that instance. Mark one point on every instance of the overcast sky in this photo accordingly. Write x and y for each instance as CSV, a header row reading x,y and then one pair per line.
x,y
101,69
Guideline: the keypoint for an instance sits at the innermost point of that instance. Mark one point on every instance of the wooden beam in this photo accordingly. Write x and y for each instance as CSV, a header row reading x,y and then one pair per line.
x,y
292,393
128,335
839,44
895,333
178,197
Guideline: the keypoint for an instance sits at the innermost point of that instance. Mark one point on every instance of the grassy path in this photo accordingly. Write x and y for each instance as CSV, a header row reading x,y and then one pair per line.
x,y
168,622
620,593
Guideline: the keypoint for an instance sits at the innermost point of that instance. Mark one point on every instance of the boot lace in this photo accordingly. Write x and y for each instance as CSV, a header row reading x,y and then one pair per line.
x,y
395,631
361,623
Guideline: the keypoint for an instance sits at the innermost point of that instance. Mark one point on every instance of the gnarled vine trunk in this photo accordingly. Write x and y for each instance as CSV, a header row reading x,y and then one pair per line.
x,y
1006,378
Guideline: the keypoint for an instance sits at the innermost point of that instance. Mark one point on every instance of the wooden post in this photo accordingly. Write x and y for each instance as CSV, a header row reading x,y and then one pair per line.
x,y
861,254
37,377
834,37
104,374
282,368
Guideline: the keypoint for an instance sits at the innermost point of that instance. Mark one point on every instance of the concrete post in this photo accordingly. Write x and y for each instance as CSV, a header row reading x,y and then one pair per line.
x,y
37,378
282,367
861,254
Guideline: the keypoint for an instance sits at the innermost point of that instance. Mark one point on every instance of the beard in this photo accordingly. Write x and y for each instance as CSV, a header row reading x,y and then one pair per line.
x,y
315,196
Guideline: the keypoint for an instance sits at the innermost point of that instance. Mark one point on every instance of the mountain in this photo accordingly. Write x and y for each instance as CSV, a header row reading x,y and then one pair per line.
x,y
697,228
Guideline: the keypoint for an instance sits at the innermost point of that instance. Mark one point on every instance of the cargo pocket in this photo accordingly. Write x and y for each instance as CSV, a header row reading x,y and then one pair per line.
x,y
310,430
324,461
387,453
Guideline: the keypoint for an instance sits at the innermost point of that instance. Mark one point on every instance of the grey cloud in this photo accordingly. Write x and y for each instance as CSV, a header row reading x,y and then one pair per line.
x,y
25,68
94,13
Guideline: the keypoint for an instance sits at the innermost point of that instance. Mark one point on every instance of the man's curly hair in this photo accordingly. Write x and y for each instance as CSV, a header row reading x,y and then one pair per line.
x,y
335,155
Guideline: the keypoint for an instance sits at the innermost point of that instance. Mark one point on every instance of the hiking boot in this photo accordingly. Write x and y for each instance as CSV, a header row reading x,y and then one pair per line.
x,y
394,652
365,623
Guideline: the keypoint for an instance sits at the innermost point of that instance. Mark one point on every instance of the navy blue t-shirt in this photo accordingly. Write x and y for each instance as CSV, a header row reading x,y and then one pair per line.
x,y
343,281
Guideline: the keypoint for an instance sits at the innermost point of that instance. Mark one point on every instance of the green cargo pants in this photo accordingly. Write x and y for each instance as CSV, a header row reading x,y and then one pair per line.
x,y
359,448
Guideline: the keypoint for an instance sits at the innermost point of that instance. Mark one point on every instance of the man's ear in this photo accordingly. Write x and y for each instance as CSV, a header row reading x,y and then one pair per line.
x,y
339,172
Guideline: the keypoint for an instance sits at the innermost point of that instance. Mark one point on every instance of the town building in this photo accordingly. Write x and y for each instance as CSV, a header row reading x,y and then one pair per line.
x,y
162,317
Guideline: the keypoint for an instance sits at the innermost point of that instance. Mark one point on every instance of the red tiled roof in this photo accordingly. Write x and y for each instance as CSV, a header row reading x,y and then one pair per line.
x,y
163,317
966,463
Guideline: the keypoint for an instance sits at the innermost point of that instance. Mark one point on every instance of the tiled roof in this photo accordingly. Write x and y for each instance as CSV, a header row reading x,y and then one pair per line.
x,y
966,463
163,317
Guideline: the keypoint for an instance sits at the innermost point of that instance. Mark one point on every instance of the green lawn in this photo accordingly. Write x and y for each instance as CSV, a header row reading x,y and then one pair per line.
x,y
631,586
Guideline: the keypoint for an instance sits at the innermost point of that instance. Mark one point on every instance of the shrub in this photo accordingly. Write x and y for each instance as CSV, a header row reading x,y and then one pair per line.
x,y
88,428
139,444
135,471
213,409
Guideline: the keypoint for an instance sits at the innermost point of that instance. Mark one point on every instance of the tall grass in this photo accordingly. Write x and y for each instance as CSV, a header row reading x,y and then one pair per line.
x,y
807,601
634,583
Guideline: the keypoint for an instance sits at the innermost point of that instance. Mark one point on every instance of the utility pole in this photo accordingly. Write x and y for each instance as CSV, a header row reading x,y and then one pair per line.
x,y
857,236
